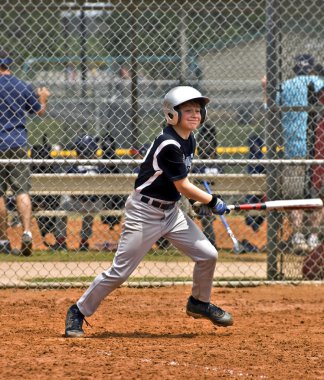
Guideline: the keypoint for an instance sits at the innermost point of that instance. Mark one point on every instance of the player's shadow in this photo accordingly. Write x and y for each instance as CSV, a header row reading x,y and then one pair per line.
x,y
145,335
142,335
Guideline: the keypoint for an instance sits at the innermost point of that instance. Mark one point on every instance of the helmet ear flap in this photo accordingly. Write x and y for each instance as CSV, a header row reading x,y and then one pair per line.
x,y
172,117
203,113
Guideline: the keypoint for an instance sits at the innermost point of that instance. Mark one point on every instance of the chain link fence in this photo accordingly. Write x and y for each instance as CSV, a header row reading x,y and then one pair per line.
x,y
108,66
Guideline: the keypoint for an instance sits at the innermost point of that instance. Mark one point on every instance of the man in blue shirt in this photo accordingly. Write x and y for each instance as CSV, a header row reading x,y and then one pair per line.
x,y
294,92
17,98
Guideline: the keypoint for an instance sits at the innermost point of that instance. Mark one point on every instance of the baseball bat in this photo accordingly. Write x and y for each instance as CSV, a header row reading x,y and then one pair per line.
x,y
285,205
236,244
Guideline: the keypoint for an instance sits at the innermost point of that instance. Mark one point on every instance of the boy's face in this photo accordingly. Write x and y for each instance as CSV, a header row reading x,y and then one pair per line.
x,y
190,116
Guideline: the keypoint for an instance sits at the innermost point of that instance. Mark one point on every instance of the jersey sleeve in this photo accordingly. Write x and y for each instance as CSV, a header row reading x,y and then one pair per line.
x,y
32,102
171,161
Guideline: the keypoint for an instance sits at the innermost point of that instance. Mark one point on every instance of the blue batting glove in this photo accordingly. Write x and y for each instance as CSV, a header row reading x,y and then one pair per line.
x,y
221,208
218,206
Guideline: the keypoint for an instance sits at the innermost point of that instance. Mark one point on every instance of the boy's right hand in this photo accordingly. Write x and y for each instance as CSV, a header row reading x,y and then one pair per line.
x,y
202,209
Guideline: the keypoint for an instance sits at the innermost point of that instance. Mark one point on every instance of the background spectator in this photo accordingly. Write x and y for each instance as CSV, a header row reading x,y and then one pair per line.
x,y
255,144
317,172
207,149
110,202
17,99
46,224
86,147
294,92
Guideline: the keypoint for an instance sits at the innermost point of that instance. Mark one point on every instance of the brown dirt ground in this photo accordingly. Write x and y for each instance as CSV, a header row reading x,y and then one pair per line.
x,y
145,334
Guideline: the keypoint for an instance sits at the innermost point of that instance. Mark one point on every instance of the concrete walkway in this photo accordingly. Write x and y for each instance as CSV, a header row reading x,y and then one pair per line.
x,y
25,274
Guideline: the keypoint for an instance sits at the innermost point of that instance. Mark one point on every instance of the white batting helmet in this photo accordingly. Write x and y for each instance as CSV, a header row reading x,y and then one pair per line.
x,y
179,95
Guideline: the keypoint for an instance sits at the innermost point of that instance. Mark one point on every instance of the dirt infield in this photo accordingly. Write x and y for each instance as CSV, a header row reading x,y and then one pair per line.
x,y
145,334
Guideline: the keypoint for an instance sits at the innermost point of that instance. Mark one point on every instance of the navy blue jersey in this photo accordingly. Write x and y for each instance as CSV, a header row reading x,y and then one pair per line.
x,y
168,159
16,99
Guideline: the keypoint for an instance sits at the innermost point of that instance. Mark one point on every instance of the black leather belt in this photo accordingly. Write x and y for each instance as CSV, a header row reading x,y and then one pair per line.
x,y
153,202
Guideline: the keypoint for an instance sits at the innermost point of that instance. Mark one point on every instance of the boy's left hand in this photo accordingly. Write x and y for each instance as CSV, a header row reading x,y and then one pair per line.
x,y
203,209
220,208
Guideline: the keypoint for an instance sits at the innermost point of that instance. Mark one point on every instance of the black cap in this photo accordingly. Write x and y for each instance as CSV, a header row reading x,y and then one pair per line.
x,y
304,64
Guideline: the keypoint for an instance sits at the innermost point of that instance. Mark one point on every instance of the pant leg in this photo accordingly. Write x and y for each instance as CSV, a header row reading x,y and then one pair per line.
x,y
185,235
143,226
208,228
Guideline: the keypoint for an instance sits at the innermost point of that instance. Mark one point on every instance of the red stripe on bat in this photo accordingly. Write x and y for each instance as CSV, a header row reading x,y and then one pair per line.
x,y
253,206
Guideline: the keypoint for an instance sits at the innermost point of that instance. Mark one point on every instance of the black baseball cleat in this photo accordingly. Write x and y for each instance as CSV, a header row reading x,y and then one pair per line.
x,y
57,247
5,248
215,314
26,244
73,322
84,246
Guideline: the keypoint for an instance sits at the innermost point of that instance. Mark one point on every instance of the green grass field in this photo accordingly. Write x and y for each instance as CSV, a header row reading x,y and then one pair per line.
x,y
58,131
98,256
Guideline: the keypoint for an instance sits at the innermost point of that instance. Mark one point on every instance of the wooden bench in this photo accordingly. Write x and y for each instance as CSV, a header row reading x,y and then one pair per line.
x,y
123,184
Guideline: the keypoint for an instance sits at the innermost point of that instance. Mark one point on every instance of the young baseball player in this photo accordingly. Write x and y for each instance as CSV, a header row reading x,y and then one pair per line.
x,y
151,211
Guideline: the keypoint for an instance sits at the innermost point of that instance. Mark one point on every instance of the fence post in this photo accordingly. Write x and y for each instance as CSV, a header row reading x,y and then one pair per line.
x,y
272,133
134,77
83,51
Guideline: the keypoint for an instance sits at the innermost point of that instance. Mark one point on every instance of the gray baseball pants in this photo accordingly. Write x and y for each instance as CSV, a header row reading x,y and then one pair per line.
x,y
144,225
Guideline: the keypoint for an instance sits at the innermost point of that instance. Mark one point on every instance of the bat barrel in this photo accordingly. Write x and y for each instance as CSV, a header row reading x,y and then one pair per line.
x,y
292,204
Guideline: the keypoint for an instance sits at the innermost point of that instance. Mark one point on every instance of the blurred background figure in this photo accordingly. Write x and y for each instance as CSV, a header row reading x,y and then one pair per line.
x,y
255,144
71,73
295,127
110,202
124,73
17,100
207,149
316,172
86,147
46,224
313,266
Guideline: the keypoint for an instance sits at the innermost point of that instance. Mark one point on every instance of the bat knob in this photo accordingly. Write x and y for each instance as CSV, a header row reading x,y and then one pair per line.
x,y
237,248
